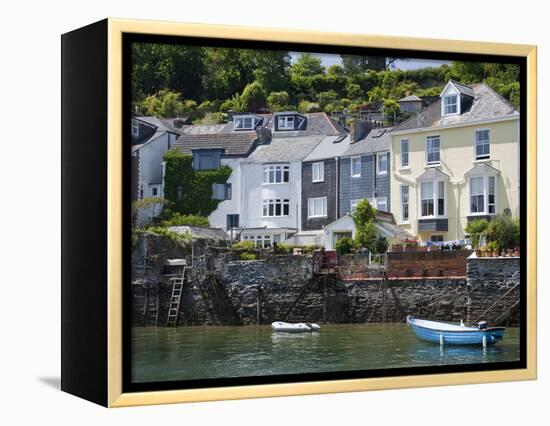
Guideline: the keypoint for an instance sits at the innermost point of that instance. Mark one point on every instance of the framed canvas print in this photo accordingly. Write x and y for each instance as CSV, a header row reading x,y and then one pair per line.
x,y
255,212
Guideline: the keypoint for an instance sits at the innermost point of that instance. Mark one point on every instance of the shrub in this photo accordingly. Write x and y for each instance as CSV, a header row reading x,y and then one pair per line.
x,y
244,245
475,228
178,219
345,245
381,246
248,256
504,231
174,236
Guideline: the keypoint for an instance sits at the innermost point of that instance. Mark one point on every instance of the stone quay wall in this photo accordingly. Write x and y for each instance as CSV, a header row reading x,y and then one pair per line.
x,y
284,288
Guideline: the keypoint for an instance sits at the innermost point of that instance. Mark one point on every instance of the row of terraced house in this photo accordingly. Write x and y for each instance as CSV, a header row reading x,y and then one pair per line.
x,y
297,177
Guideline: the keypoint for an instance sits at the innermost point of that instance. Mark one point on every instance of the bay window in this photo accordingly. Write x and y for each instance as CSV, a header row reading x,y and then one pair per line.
x,y
483,195
433,199
404,203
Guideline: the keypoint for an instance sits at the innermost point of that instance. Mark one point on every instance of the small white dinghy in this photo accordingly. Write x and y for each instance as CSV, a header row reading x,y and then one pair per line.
x,y
299,327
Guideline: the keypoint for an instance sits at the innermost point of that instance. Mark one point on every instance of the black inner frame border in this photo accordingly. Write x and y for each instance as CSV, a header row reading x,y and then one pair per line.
x,y
128,386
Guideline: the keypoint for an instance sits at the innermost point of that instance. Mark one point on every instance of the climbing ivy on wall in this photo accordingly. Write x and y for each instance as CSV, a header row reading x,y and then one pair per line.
x,y
189,191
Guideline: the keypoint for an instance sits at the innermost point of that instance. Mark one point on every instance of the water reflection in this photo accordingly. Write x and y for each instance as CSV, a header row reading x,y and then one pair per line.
x,y
209,352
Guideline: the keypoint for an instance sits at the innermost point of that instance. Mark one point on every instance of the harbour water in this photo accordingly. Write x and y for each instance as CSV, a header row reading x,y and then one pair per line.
x,y
186,353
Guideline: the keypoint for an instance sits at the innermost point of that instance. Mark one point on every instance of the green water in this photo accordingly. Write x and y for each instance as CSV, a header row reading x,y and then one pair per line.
x,y
185,353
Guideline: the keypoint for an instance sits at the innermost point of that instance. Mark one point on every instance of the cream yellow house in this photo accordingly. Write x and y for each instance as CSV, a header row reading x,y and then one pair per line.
x,y
456,161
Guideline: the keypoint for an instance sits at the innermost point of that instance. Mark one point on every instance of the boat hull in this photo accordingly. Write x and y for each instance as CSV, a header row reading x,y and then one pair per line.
x,y
285,327
468,336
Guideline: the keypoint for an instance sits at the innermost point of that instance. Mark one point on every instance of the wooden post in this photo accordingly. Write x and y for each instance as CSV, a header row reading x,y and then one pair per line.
x,y
258,305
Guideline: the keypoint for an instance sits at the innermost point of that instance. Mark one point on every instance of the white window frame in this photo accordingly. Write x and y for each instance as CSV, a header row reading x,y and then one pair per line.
x,y
434,198
486,203
318,171
352,160
428,140
403,203
267,203
456,104
379,171
135,128
403,142
283,123
270,170
484,156
377,202
243,119
311,207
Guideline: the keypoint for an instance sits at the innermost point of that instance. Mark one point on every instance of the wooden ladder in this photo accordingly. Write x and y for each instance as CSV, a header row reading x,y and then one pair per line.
x,y
175,300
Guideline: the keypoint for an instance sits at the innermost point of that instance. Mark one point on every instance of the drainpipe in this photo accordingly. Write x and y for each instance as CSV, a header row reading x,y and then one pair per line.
x,y
337,187
457,208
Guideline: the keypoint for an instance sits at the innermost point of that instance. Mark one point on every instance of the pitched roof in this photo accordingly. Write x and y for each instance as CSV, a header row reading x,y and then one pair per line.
x,y
285,149
482,169
236,143
410,98
318,123
462,88
377,140
162,124
433,173
486,105
329,147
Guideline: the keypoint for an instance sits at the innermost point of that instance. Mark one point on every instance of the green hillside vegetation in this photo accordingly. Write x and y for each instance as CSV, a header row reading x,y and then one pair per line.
x,y
204,83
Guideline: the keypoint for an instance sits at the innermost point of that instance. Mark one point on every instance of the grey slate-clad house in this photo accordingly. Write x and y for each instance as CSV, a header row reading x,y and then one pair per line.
x,y
365,172
320,182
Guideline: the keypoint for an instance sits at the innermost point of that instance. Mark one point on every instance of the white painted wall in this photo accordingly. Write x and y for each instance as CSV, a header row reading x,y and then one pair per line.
x,y
151,156
254,192
218,218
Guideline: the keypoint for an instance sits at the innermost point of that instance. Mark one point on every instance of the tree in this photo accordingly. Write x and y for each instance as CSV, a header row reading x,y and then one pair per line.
x,y
363,214
167,104
253,97
272,70
326,98
354,91
475,228
345,245
366,236
277,101
504,231
391,110
307,65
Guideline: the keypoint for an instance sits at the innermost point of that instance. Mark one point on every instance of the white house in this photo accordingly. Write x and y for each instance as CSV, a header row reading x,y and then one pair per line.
x,y
271,177
214,146
151,138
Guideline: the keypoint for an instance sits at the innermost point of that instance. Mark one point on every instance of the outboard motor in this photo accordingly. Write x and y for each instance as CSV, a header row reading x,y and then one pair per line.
x,y
482,325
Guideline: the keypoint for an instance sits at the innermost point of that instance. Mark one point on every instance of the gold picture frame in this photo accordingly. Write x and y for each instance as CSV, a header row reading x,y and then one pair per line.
x,y
116,28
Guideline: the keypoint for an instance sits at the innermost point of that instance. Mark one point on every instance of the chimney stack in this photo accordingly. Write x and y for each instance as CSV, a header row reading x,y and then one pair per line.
x,y
263,135
360,129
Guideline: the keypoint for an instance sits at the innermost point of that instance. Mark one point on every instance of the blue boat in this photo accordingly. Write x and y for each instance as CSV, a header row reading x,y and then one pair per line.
x,y
445,333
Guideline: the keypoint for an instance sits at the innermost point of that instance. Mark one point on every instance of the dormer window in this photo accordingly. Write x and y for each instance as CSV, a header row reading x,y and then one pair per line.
x,y
286,123
245,122
450,104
